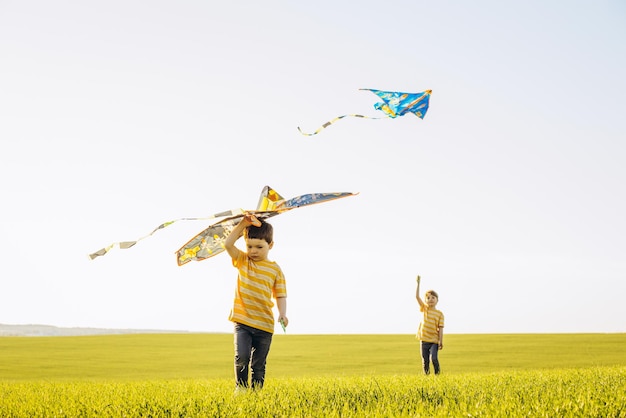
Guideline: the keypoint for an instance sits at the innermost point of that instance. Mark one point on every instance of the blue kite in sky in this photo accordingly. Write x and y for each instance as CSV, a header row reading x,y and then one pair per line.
x,y
394,104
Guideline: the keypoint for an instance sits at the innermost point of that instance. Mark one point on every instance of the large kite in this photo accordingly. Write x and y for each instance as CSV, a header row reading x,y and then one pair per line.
x,y
394,104
210,241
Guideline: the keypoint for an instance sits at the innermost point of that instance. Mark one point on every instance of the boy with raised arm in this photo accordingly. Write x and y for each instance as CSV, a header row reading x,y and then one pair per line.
x,y
430,332
258,281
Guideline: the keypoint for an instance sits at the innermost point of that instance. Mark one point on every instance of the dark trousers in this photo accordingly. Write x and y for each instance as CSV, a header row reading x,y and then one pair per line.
x,y
430,352
252,346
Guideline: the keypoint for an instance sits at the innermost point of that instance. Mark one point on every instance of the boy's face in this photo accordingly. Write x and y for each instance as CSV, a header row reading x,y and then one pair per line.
x,y
258,249
431,300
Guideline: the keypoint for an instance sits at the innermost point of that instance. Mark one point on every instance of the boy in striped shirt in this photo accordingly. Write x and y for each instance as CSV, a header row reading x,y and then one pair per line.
x,y
259,280
430,331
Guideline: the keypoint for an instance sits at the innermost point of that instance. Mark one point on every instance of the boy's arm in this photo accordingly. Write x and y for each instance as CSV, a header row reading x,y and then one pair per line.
x,y
281,303
417,293
229,243
441,338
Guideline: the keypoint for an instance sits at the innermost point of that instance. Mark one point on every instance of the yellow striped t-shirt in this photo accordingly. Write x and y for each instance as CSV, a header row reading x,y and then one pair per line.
x,y
429,327
257,283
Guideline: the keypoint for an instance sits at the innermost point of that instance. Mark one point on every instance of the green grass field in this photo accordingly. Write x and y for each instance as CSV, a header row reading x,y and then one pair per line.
x,y
314,375
210,356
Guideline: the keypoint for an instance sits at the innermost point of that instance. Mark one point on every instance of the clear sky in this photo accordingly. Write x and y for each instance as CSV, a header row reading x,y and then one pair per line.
x,y
508,198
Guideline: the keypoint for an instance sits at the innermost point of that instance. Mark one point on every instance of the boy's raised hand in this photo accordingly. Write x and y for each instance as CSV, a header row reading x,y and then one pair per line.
x,y
251,219
417,292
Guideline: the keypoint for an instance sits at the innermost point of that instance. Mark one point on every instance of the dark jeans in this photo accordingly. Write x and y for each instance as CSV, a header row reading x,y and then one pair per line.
x,y
430,351
252,346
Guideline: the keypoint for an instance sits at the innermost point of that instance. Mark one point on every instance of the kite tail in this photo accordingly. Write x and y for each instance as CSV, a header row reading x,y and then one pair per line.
x,y
123,245
330,122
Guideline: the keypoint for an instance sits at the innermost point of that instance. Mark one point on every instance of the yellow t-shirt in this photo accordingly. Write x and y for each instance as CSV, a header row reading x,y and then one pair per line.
x,y
429,327
257,284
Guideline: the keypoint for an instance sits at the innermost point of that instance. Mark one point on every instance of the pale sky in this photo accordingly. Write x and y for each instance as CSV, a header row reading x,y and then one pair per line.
x,y
508,198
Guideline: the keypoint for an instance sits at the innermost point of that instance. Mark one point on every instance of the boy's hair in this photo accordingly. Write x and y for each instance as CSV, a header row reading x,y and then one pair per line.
x,y
265,231
432,292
